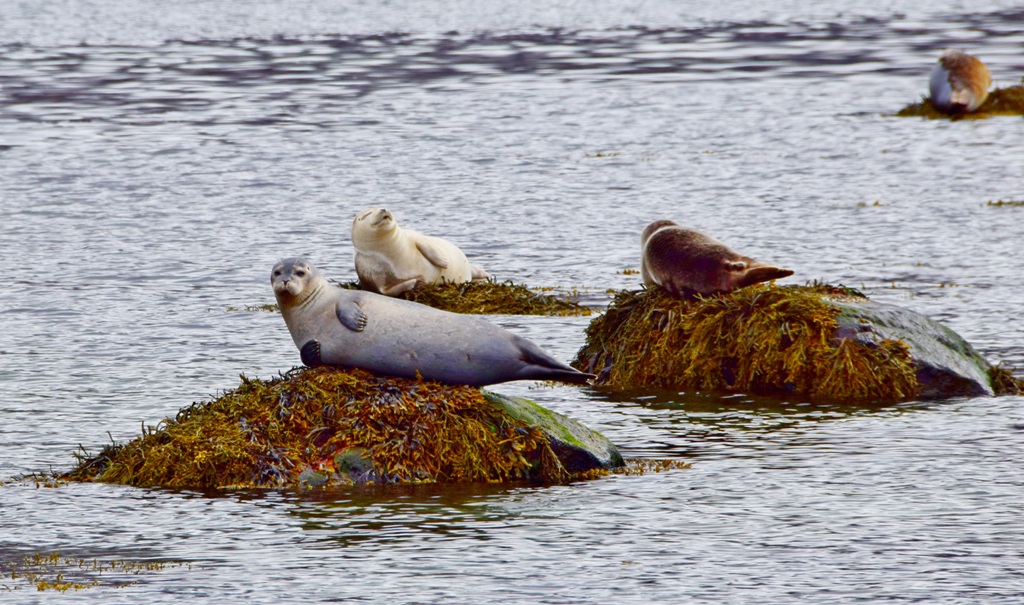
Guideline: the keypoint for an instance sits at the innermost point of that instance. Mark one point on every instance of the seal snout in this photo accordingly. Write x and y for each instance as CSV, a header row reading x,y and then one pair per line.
x,y
288,286
382,215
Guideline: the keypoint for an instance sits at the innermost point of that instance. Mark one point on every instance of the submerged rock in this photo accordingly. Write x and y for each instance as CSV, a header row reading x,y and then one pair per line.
x,y
821,342
321,427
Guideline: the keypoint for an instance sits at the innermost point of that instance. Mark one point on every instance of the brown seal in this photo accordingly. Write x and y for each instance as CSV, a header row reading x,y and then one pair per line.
x,y
684,262
959,83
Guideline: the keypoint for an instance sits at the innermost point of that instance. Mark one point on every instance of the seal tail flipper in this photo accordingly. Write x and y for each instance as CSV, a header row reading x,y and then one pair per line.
x,y
756,275
545,367
571,376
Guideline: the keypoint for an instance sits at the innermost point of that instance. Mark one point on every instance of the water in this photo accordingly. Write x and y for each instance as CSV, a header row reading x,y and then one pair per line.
x,y
155,163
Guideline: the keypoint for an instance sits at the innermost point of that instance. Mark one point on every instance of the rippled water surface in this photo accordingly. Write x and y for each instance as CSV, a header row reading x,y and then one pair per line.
x,y
156,159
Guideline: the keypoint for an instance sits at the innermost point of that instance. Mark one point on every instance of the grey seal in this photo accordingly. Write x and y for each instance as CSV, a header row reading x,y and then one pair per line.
x,y
355,328
684,262
391,260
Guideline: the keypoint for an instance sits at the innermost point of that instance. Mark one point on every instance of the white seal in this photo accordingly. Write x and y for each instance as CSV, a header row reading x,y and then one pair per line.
x,y
684,262
355,328
959,83
391,260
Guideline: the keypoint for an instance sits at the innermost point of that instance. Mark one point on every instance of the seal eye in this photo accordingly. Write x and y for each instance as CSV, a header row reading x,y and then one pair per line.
x,y
300,273
278,272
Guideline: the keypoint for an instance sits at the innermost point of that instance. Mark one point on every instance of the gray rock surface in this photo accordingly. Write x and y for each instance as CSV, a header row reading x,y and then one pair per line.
x,y
947,365
579,448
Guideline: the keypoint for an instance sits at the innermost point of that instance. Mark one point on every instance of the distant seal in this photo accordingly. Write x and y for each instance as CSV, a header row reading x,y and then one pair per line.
x,y
355,328
959,83
391,260
685,262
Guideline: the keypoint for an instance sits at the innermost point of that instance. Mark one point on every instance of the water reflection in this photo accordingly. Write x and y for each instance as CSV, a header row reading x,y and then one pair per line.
x,y
385,514
697,424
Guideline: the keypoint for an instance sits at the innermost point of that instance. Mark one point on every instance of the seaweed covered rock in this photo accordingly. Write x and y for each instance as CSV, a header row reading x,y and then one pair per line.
x,y
490,297
485,297
821,342
1000,102
326,426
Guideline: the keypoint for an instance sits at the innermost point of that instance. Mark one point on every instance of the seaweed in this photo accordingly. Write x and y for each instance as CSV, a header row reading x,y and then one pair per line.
x,y
760,339
490,297
484,297
1000,102
61,573
329,426
1004,382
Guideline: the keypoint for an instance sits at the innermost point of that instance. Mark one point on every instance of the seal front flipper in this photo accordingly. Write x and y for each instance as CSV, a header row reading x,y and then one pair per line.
x,y
350,315
433,253
310,354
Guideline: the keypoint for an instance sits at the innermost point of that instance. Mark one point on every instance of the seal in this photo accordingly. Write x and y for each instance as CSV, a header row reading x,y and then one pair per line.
x,y
356,328
684,262
959,83
391,260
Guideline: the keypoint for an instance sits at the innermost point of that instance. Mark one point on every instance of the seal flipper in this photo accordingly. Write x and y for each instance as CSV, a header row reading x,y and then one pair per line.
x,y
478,273
545,367
434,254
310,354
756,275
351,316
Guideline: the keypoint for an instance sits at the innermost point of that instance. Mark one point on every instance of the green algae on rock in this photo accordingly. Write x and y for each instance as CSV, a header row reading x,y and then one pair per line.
x,y
327,426
1000,102
821,342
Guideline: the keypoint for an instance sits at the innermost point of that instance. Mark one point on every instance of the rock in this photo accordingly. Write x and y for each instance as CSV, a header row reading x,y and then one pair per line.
x,y
825,343
579,448
322,427
311,477
946,364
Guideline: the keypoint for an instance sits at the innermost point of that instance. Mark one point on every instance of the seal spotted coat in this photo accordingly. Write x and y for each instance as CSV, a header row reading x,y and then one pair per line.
x,y
354,328
685,262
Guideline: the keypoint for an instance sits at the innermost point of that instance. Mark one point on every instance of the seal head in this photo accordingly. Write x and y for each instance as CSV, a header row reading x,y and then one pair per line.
x,y
391,260
959,83
353,328
684,262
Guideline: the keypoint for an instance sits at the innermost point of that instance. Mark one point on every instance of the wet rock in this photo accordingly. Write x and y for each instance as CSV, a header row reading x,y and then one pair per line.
x,y
578,448
311,477
946,365
322,427
825,343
